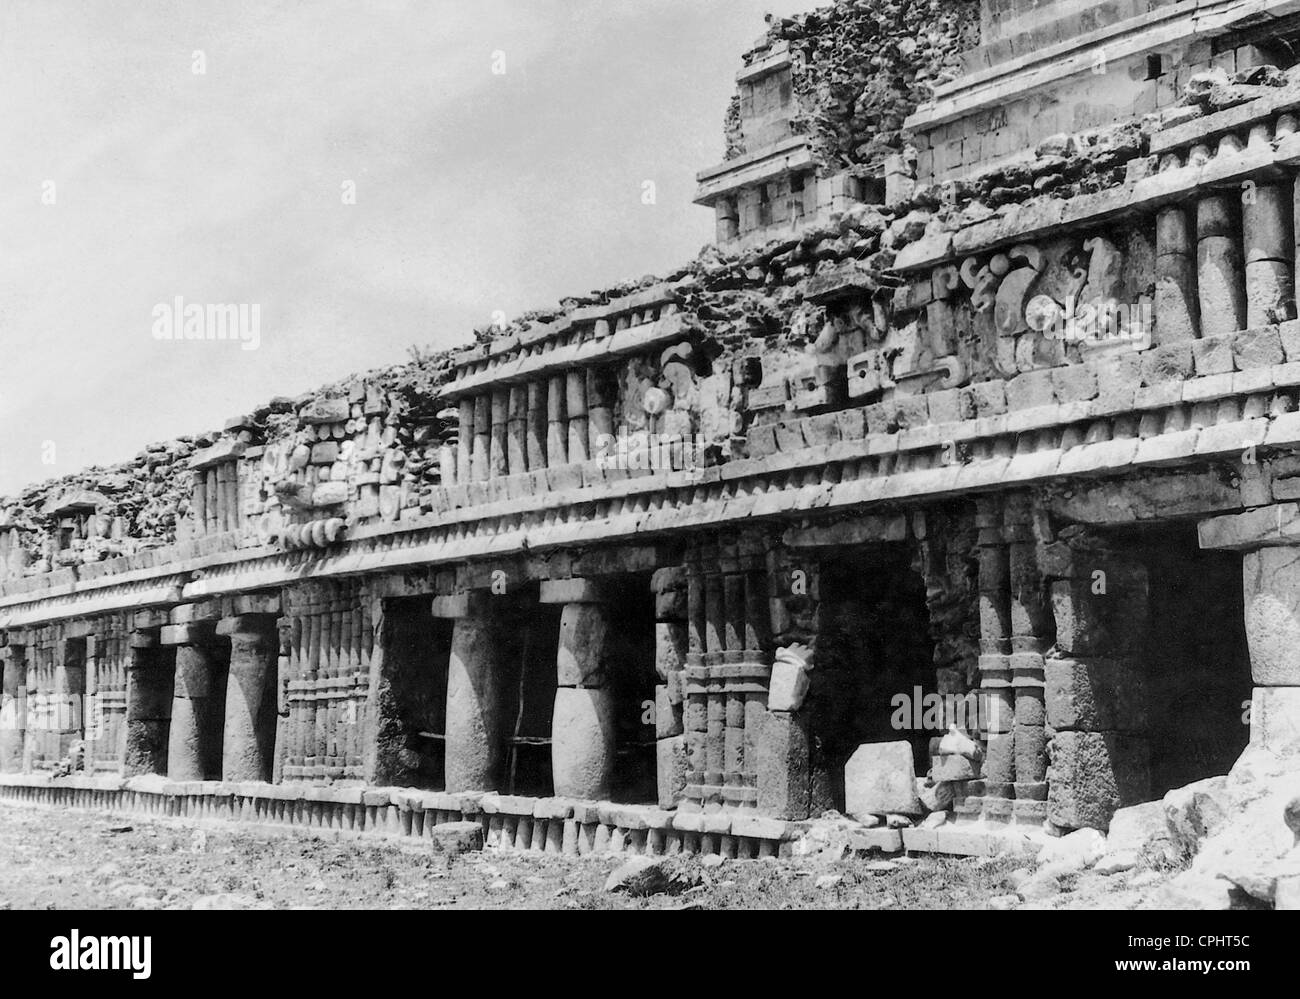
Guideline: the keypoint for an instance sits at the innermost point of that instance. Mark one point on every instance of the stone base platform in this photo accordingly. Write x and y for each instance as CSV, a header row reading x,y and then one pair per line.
x,y
559,826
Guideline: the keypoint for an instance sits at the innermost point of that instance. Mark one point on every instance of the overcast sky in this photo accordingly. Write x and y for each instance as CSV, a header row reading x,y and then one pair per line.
x,y
128,179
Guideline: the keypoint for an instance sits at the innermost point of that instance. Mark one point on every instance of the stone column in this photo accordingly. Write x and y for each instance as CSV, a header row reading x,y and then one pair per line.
x,y
557,432
150,688
996,693
1032,630
13,707
193,745
498,453
786,772
1268,230
602,393
1271,577
670,590
535,424
517,431
583,731
465,443
695,715
1221,280
575,405
480,458
248,744
1095,690
1176,304
475,730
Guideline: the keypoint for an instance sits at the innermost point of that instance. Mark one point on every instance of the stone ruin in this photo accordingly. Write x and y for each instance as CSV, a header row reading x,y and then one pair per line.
x,y
950,482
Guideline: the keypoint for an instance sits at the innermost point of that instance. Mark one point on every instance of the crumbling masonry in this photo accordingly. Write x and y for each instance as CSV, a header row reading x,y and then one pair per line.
x,y
988,387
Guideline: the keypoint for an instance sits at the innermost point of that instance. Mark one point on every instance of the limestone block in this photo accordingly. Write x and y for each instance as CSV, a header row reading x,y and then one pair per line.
x,y
1000,757
784,765
1031,753
670,769
1095,694
1256,348
1271,583
788,688
1089,622
668,722
456,837
948,767
1213,355
880,778
1275,718
1092,774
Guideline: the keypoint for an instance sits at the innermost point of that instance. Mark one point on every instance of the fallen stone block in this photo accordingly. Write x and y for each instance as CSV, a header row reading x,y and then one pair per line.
x,y
881,778
456,837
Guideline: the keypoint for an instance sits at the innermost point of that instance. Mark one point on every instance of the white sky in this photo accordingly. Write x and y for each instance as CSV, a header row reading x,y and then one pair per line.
x,y
475,192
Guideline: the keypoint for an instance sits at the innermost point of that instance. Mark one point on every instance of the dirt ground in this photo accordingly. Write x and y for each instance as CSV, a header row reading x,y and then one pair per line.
x,y
54,858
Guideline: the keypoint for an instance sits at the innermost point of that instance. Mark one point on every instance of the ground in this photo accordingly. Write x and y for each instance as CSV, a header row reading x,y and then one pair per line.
x,y
57,858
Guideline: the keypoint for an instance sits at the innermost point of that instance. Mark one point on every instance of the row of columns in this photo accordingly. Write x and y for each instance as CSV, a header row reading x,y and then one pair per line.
x,y
196,693
223,701
514,429
583,726
214,498
1228,263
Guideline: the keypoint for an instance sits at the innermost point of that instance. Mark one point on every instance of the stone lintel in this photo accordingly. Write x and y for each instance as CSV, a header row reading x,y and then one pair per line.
x,y
469,603
204,610
194,633
241,623
1266,526
577,590
254,603
149,617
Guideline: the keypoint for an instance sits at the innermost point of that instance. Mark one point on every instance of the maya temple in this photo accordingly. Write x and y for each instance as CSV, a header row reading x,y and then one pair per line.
x,y
951,478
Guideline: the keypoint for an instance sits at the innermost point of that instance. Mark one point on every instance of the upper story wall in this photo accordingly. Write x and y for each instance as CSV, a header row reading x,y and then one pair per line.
x,y
820,105
1046,68
951,339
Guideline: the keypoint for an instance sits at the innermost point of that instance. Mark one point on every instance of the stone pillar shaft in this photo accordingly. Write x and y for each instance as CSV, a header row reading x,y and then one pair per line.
x,y
195,733
1271,579
1176,304
465,442
1269,236
475,731
535,417
583,726
13,708
480,460
1221,279
248,746
149,693
575,404
498,453
557,433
